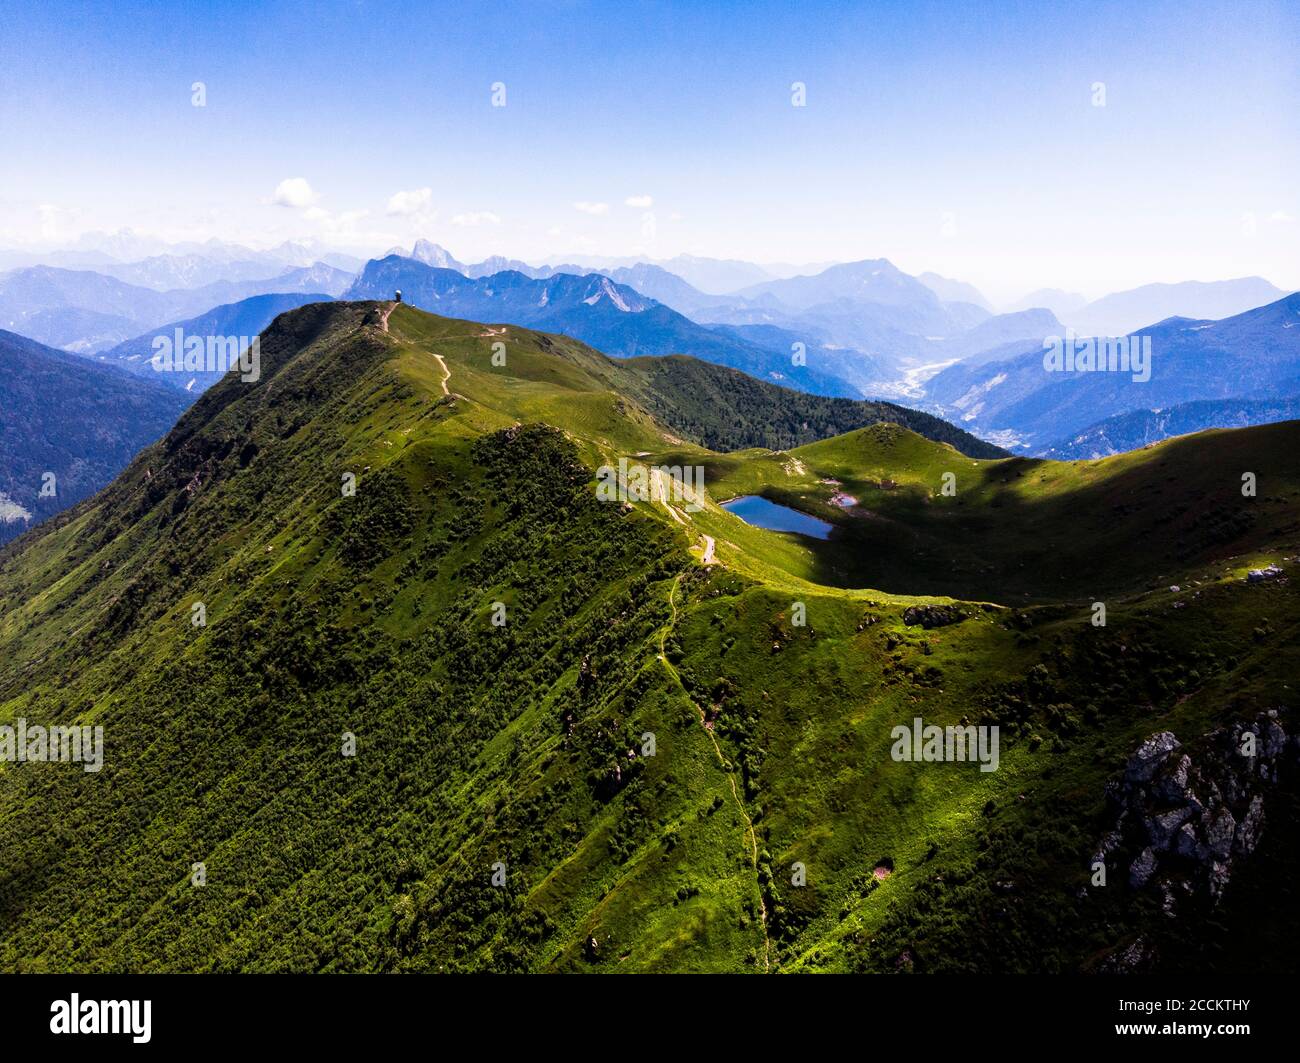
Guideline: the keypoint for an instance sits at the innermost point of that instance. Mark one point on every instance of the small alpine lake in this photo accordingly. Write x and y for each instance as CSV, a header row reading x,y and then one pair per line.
x,y
762,513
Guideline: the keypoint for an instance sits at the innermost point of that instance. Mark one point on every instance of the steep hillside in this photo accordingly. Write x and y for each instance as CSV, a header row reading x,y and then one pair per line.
x,y
76,422
723,409
471,717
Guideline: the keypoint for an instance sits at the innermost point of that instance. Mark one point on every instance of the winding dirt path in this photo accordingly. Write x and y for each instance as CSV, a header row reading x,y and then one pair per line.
x,y
446,374
731,775
707,557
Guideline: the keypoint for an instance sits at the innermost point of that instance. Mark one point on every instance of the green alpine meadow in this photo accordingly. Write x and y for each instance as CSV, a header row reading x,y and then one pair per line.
x,y
434,649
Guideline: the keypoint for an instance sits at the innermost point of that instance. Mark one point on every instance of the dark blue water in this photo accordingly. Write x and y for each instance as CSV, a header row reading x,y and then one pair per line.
x,y
758,511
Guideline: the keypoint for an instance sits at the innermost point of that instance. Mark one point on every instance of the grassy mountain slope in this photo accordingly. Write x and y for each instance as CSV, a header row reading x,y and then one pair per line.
x,y
724,409
523,746
325,617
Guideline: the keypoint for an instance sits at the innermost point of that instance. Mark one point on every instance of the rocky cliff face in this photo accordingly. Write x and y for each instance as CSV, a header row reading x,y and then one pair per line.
x,y
1184,817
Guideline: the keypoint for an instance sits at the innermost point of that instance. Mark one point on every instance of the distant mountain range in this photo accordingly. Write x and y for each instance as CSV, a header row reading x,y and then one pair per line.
x,y
861,329
1253,355
714,276
952,291
894,321
875,281
87,311
853,325
68,424
689,284
648,278
246,318
1122,312
706,278
990,338
169,272
856,322
593,308
1142,428
669,289
1062,304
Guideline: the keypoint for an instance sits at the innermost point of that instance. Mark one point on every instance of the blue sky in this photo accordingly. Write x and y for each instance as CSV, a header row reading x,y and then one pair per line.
x,y
958,138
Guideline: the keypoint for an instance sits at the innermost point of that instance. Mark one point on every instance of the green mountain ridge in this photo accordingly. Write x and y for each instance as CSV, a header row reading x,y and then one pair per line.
x,y
621,772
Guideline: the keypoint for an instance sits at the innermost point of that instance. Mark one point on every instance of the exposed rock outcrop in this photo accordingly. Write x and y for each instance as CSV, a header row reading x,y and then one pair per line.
x,y
1182,821
929,616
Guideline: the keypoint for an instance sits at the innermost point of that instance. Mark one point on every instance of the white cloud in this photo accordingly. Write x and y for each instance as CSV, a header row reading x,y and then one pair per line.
x,y
294,192
476,217
640,202
1281,216
591,208
412,202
